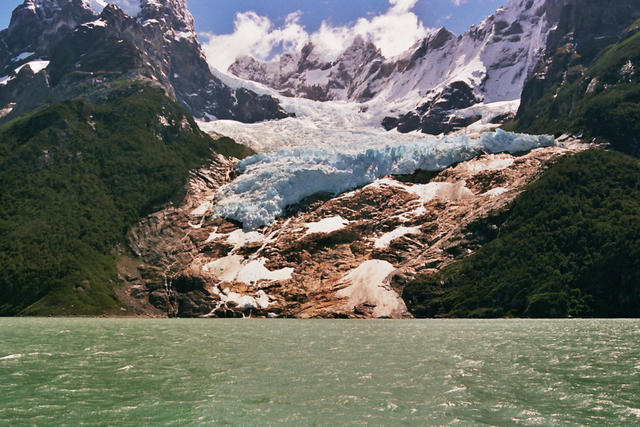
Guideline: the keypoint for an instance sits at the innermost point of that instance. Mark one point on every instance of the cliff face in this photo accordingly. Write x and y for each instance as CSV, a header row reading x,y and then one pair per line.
x,y
588,83
38,25
584,29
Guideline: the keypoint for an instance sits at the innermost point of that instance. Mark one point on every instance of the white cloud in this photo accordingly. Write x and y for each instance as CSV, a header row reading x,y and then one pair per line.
x,y
253,35
393,32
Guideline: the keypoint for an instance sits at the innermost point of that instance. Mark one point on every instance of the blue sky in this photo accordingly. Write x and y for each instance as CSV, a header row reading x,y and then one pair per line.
x,y
216,16
434,13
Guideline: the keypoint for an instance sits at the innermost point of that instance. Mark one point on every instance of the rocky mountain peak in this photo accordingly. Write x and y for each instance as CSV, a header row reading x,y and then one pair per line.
x,y
361,49
78,53
38,24
172,13
113,15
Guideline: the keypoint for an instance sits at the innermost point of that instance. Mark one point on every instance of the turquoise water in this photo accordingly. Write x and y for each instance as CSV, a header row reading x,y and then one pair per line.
x,y
295,372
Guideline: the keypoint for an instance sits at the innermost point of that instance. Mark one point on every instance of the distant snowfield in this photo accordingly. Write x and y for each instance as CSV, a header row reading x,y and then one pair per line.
x,y
334,124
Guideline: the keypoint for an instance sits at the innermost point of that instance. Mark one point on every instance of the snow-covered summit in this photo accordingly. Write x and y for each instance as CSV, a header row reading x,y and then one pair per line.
x,y
437,77
309,74
149,40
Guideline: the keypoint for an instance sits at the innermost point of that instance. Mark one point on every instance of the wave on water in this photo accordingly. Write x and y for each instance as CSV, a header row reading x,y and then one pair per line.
x,y
11,356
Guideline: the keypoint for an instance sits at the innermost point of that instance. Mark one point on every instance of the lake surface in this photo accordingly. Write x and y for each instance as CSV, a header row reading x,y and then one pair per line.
x,y
296,372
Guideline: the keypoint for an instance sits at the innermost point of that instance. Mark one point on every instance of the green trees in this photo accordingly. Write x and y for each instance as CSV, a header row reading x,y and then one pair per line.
x,y
568,246
73,177
602,100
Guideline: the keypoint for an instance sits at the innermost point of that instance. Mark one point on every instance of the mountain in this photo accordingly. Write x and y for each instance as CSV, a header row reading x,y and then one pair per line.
x,y
74,176
113,199
308,75
588,82
442,83
58,49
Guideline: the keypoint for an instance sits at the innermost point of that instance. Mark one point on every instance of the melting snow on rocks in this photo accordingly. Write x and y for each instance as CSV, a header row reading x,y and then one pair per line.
x,y
269,182
366,285
326,225
385,240
234,268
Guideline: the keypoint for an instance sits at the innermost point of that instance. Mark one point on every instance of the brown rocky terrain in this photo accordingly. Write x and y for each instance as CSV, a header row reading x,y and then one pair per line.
x,y
345,257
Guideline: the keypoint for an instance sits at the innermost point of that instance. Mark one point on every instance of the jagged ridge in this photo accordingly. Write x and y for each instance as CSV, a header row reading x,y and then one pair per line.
x,y
436,81
158,45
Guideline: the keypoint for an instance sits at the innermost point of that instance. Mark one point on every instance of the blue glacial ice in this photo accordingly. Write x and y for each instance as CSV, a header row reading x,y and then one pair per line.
x,y
269,182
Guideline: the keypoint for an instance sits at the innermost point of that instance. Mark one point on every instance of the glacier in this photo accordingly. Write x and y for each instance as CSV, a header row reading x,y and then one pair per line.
x,y
269,182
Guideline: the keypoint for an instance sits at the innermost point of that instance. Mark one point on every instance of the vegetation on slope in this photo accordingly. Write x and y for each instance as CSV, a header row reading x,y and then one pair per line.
x,y
601,100
568,246
74,177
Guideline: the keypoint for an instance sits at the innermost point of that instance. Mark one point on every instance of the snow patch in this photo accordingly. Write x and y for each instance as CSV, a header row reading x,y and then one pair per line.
x,y
255,271
234,268
385,240
96,23
150,22
366,284
496,192
486,164
36,66
246,302
5,79
202,209
326,225
239,238
23,55
130,7
448,191
214,235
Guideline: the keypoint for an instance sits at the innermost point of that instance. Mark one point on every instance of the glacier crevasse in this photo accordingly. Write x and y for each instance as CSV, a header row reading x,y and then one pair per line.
x,y
269,182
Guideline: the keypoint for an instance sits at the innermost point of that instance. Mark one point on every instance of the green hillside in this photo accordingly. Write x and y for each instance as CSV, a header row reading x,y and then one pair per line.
x,y
568,246
74,177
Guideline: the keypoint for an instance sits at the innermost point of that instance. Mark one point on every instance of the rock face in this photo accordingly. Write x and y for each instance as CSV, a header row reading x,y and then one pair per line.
x,y
584,29
38,25
308,74
346,257
69,50
441,84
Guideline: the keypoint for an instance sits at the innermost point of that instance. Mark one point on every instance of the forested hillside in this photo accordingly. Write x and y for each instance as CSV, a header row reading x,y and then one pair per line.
x,y
73,177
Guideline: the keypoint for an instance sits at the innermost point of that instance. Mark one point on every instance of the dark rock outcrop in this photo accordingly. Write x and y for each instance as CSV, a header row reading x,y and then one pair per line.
x,y
439,115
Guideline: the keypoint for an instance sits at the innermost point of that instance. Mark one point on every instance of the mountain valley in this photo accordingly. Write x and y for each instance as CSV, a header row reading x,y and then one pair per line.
x,y
136,179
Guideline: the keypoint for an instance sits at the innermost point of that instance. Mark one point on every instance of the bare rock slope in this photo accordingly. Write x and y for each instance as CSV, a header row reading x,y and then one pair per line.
x,y
346,257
